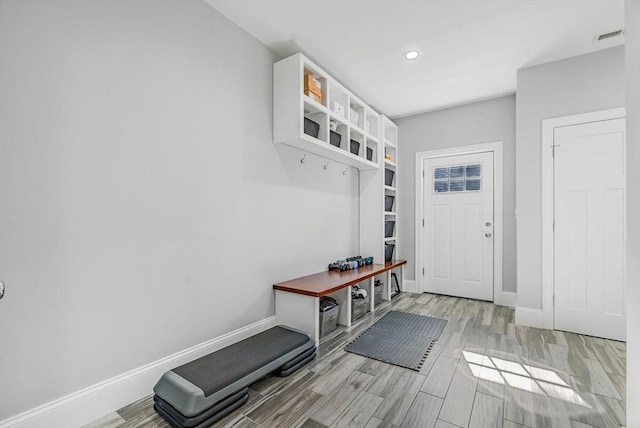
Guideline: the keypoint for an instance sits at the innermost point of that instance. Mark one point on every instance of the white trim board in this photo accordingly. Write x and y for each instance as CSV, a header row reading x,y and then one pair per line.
x,y
91,403
409,286
508,299
548,126
496,148
529,317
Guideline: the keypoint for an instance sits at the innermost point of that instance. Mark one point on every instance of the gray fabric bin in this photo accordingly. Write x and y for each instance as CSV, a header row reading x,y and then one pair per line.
x,y
388,228
388,176
388,251
329,320
388,202
359,307
377,294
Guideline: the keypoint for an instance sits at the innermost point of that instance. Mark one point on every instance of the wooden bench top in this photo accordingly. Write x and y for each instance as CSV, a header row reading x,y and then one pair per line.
x,y
322,283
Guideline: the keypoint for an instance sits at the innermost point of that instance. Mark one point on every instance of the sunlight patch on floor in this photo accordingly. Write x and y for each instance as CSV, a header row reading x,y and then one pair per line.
x,y
536,380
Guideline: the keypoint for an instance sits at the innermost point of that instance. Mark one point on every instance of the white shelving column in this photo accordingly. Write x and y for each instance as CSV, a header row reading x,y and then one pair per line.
x,y
390,192
372,200
373,194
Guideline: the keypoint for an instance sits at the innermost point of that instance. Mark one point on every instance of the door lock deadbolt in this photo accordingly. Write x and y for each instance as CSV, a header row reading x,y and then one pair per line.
x,y
488,224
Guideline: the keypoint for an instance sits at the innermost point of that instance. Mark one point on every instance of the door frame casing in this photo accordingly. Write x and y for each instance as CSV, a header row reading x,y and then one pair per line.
x,y
548,207
496,148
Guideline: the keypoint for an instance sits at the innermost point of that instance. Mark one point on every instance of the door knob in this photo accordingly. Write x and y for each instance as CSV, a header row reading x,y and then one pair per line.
x,y
488,234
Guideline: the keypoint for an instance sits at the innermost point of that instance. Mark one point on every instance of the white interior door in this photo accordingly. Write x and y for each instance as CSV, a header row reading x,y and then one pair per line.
x,y
458,225
589,243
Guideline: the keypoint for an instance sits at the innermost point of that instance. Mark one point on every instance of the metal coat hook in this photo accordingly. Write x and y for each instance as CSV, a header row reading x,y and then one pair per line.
x,y
304,155
326,166
344,172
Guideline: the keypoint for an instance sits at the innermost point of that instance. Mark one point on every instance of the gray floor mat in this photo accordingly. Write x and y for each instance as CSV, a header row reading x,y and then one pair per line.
x,y
399,338
416,325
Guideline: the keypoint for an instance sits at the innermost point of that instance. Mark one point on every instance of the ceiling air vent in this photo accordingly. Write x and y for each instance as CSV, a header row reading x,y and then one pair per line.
x,y
610,34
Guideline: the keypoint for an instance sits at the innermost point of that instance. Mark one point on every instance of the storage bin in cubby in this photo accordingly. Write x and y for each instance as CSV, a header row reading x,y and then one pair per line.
x,y
388,202
388,228
329,320
388,176
388,251
359,308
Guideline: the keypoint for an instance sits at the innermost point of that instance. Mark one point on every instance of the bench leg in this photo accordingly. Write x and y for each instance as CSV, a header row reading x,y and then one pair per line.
x,y
300,312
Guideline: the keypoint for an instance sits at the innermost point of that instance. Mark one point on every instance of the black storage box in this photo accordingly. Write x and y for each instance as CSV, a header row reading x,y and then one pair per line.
x,y
388,202
311,128
355,147
388,251
388,177
388,228
369,153
334,138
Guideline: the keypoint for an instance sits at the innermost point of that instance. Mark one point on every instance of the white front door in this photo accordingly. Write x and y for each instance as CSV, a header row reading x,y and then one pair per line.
x,y
458,225
589,247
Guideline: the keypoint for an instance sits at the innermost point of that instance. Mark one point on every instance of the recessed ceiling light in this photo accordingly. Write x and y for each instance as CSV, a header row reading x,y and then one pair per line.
x,y
411,55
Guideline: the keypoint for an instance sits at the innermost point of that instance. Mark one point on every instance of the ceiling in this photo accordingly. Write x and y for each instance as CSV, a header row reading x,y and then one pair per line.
x,y
470,49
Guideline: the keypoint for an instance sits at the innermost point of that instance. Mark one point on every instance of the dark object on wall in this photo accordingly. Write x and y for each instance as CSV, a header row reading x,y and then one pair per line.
x,y
388,177
335,138
311,128
388,228
388,251
388,202
369,153
355,147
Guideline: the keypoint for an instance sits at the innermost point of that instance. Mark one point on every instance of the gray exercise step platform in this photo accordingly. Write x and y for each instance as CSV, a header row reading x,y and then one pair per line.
x,y
205,390
204,419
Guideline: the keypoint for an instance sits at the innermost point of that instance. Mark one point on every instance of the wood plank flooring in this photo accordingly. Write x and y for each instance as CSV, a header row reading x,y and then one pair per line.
x,y
485,371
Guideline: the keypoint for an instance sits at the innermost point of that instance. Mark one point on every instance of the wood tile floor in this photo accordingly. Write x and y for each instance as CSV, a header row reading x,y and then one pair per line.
x,y
483,372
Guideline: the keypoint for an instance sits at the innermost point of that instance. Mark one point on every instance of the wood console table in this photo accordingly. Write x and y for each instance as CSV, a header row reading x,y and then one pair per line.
x,y
298,300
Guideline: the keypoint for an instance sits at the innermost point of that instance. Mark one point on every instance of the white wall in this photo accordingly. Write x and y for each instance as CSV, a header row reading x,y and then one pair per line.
x,y
144,207
632,58
575,85
481,122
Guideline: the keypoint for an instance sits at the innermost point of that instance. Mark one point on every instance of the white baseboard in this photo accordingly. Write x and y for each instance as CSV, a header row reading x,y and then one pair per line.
x,y
409,286
507,298
529,317
91,403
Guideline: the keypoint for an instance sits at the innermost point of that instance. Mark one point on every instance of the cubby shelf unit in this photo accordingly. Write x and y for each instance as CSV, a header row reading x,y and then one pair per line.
x,y
390,138
358,125
373,216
